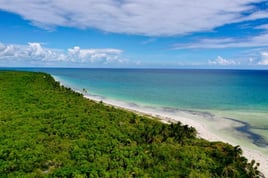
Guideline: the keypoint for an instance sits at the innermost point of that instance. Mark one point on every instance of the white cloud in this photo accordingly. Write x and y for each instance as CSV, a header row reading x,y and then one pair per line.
x,y
36,53
264,59
221,61
255,41
148,41
32,51
152,18
94,55
251,60
262,27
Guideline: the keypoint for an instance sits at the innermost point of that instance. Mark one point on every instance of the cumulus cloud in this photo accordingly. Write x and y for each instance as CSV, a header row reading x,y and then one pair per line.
x,y
94,55
32,51
221,61
152,18
35,52
264,59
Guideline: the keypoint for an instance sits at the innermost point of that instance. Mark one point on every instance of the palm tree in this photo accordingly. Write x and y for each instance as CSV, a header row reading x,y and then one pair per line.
x,y
252,169
237,151
84,91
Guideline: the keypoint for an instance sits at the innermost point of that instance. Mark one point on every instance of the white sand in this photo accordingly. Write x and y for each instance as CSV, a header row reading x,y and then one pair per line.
x,y
209,129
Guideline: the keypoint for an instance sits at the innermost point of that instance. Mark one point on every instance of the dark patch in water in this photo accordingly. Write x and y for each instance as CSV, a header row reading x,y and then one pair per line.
x,y
245,128
206,115
169,109
133,105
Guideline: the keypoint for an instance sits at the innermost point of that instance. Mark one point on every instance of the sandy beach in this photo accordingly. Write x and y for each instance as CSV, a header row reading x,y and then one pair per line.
x,y
207,127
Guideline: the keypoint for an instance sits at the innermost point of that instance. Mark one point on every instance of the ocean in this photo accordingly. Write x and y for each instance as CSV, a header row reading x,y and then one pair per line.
x,y
185,89
239,96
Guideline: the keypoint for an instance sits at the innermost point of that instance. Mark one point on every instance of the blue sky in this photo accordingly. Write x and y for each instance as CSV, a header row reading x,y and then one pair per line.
x,y
136,34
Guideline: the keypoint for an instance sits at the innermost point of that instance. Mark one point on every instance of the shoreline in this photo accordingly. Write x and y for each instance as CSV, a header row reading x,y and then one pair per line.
x,y
202,123
202,130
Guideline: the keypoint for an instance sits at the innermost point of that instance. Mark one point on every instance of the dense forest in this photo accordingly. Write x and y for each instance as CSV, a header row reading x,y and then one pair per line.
x,y
47,130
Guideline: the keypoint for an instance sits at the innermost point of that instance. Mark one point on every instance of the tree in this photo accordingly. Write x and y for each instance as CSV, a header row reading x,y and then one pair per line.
x,y
84,91
237,151
252,169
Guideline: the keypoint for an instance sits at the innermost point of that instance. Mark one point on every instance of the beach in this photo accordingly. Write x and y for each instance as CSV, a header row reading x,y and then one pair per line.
x,y
209,129
224,118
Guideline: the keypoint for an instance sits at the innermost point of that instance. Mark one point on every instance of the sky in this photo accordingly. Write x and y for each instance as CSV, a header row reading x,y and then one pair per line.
x,y
134,33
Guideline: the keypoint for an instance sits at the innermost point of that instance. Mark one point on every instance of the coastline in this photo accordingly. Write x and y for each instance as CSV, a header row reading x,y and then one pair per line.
x,y
203,131
205,125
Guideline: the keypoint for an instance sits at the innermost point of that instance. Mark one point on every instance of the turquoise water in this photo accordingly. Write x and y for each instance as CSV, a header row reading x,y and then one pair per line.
x,y
237,95
189,89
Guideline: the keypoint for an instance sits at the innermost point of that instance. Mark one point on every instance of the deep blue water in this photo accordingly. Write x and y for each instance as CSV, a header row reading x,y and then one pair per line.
x,y
184,89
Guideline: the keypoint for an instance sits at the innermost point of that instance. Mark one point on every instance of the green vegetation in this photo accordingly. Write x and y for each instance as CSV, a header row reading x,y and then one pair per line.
x,y
47,130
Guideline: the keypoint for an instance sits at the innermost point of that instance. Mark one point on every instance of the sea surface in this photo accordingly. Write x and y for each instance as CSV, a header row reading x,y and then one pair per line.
x,y
237,95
